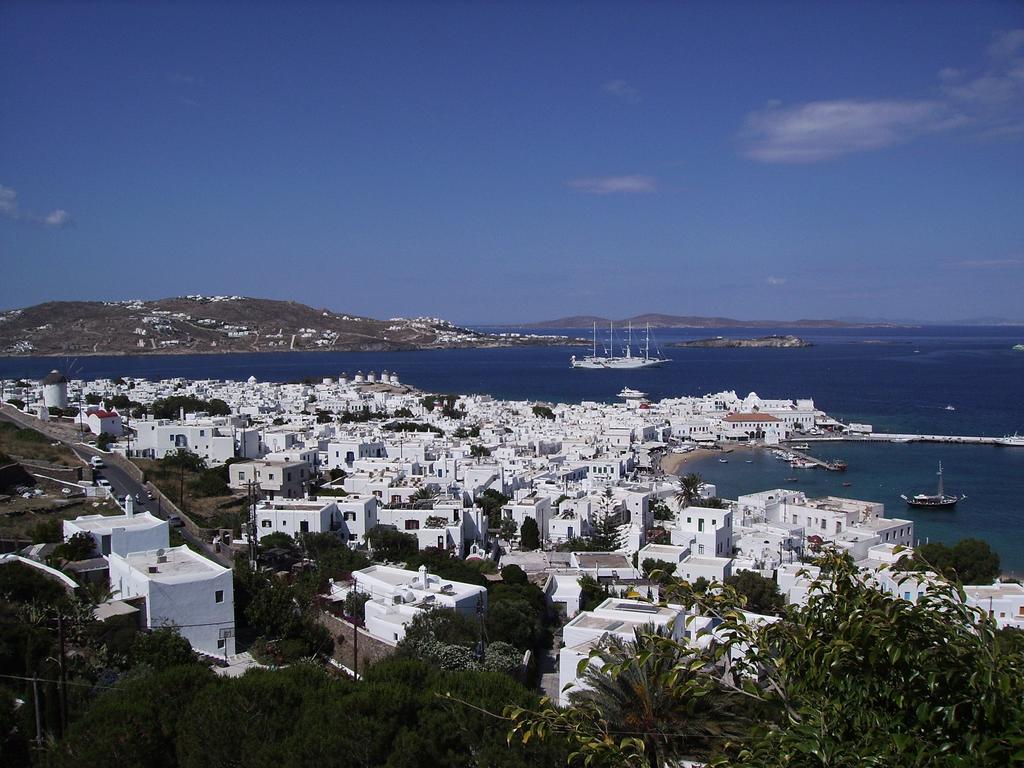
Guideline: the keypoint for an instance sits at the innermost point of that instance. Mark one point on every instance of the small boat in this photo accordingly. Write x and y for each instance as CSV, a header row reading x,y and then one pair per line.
x,y
1011,441
801,447
801,464
938,500
792,479
750,461
950,408
847,485
723,461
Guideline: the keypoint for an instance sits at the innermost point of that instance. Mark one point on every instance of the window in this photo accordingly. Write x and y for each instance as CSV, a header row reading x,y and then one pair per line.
x,y
304,527
218,596
241,474
700,524
412,525
265,523
700,549
350,516
270,475
220,643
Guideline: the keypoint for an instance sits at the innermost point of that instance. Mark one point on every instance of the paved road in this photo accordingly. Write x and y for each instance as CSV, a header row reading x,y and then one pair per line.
x,y
122,484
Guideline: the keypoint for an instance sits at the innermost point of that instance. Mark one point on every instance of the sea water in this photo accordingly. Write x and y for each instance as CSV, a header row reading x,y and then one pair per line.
x,y
897,379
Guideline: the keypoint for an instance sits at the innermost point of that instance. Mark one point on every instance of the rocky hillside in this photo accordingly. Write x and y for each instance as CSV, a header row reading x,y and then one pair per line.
x,y
210,324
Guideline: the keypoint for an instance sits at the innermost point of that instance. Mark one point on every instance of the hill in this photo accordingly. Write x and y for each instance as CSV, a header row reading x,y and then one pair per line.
x,y
658,320
211,324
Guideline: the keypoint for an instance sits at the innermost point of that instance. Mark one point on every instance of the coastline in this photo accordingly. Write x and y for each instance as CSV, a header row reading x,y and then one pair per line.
x,y
678,463
179,352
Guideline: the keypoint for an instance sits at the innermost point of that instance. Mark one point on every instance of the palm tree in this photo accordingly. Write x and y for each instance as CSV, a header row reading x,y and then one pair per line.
x,y
688,494
644,688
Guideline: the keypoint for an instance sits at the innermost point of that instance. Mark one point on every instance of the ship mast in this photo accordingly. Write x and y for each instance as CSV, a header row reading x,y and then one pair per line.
x,y
940,480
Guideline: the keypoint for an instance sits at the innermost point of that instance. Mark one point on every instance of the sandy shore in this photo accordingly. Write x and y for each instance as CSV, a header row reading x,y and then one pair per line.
x,y
678,463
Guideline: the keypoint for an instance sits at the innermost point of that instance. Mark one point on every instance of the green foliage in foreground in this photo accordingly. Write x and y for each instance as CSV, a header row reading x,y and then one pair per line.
x,y
403,714
856,677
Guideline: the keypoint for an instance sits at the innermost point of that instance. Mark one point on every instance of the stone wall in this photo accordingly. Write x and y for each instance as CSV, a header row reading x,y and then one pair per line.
x,y
350,640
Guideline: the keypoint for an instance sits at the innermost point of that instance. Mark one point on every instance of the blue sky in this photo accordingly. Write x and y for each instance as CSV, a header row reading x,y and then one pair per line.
x,y
519,161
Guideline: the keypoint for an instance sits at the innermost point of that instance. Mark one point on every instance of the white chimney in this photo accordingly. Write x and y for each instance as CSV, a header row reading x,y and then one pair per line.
x,y
129,506
423,577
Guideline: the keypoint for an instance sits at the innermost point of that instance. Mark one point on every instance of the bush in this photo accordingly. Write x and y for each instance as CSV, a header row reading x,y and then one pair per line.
x,y
529,535
210,483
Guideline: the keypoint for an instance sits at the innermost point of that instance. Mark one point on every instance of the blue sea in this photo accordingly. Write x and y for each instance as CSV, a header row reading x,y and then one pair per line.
x,y
897,379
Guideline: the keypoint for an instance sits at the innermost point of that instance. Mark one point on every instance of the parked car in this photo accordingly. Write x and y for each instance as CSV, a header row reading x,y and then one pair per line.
x,y
102,482
174,521
97,462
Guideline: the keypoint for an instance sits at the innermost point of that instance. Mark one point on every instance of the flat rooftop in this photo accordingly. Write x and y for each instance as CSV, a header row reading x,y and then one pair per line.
x,y
98,523
602,560
173,564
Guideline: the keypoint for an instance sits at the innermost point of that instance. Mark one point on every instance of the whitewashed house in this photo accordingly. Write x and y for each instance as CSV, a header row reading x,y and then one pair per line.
x,y
397,595
181,589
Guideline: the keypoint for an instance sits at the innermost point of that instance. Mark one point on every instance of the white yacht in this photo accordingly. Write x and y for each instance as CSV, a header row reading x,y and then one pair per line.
x,y
627,360
1011,441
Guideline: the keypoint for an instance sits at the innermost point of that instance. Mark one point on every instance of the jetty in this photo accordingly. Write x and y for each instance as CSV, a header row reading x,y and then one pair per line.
x,y
831,466
889,437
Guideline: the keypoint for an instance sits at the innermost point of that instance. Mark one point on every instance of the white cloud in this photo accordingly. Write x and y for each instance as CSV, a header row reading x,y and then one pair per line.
x,y
772,280
621,89
609,185
821,130
989,104
988,263
57,218
9,207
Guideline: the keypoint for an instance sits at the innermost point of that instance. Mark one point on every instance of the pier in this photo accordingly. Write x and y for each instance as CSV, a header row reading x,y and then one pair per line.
x,y
831,466
886,437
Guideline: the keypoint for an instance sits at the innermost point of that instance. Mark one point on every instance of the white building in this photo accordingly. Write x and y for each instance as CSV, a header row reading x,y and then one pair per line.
x,y
182,589
121,534
397,595
617,617
276,479
350,517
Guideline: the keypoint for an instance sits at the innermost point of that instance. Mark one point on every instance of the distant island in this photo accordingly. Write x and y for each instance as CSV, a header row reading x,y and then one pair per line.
x,y
720,342
218,324
693,321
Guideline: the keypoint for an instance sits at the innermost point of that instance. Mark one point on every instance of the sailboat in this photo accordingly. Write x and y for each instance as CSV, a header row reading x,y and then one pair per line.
x,y
938,500
627,360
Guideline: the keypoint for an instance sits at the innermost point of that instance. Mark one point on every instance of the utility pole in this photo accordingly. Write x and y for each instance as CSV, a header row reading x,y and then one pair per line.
x,y
253,547
39,722
63,675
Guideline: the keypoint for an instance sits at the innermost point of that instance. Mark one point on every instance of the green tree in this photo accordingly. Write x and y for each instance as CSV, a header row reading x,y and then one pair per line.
x,y
491,501
81,546
592,594
161,649
604,533
391,545
761,594
637,693
104,439
513,574
969,561
688,493
854,677
543,412
529,535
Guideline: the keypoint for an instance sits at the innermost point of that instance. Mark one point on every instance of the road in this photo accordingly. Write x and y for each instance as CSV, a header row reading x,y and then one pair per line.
x,y
122,484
